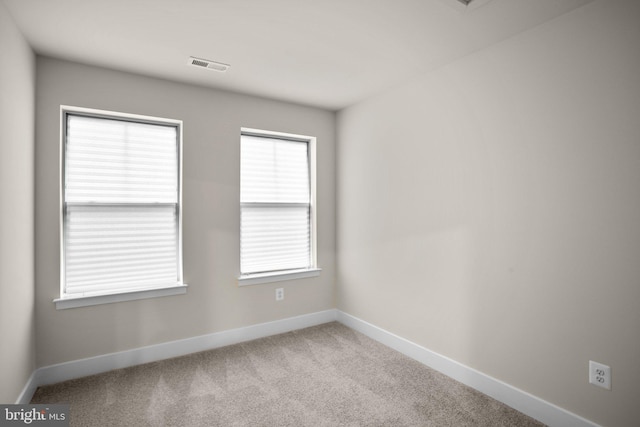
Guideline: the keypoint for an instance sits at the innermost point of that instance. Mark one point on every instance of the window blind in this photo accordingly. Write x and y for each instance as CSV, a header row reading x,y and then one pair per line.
x,y
275,232
121,206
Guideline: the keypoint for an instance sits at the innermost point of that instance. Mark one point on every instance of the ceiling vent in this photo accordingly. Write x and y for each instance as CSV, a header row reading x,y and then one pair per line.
x,y
208,64
464,6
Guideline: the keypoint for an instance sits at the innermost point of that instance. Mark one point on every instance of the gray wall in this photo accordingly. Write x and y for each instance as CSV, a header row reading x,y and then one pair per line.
x,y
17,86
489,211
214,302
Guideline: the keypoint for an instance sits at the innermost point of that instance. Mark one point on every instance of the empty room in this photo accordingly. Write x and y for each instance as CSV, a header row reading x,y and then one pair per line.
x,y
320,213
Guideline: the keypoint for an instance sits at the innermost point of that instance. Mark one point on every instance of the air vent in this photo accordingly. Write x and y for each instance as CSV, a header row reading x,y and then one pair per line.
x,y
208,64
464,6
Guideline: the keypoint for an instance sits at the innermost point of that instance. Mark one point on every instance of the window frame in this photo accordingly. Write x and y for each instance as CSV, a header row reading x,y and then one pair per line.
x,y
313,270
68,301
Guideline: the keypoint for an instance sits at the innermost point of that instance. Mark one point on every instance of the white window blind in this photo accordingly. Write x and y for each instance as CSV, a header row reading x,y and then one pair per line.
x,y
121,193
275,200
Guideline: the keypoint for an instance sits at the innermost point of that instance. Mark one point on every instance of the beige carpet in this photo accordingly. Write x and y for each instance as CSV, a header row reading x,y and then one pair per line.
x,y
327,375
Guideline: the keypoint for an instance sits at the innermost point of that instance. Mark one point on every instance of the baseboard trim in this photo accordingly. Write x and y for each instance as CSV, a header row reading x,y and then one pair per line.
x,y
520,400
28,390
94,365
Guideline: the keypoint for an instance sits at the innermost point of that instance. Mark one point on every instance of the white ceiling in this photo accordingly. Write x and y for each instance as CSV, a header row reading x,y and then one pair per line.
x,y
325,53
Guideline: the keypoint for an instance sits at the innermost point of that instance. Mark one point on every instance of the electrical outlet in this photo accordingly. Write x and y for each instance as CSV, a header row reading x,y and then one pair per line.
x,y
599,374
279,294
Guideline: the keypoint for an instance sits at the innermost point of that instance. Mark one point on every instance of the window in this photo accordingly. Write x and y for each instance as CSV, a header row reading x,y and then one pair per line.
x,y
121,210
277,192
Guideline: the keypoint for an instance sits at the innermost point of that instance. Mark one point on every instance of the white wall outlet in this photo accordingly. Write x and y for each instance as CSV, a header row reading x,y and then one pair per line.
x,y
600,374
279,294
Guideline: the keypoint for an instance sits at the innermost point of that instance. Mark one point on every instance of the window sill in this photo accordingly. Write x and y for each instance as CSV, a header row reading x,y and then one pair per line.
x,y
83,301
256,279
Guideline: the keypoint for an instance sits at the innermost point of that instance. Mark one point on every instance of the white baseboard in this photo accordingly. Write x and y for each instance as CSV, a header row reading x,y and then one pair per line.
x,y
94,365
522,401
28,390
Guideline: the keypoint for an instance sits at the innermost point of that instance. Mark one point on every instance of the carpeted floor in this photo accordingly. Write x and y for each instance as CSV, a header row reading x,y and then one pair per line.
x,y
327,375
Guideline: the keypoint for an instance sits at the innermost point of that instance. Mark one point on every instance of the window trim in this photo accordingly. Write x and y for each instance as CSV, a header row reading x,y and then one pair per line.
x,y
278,276
66,301
313,270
